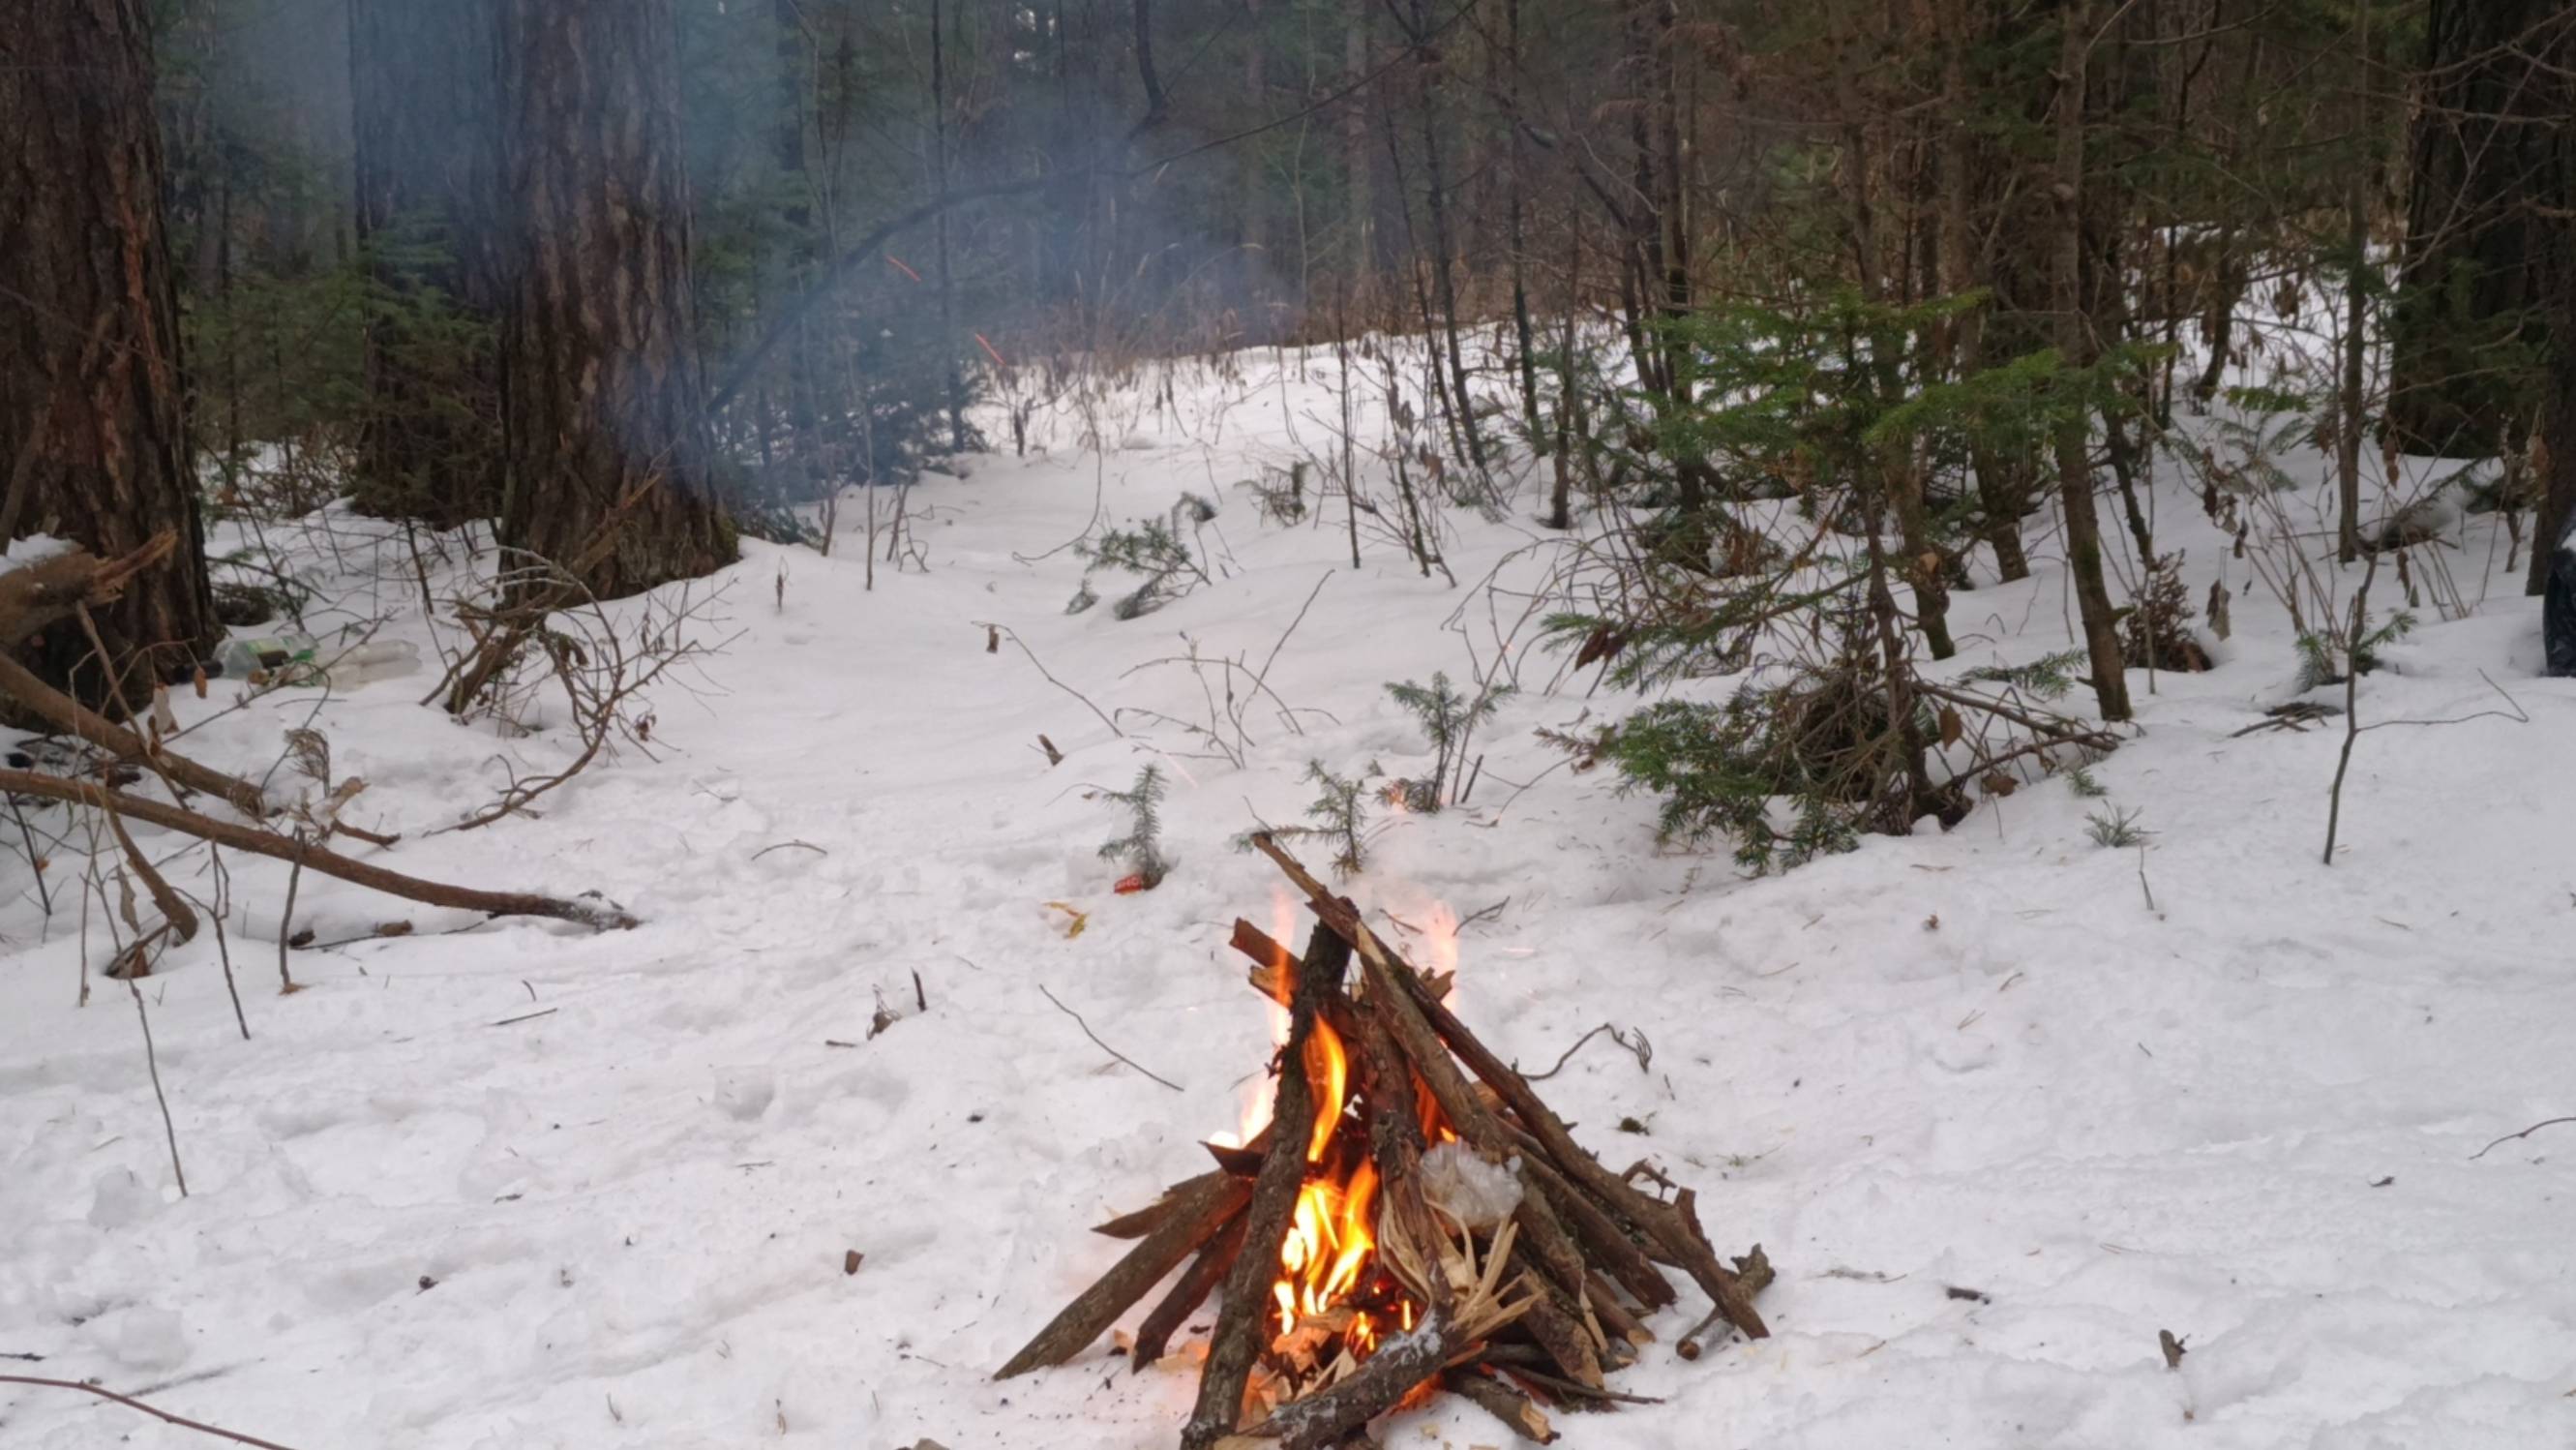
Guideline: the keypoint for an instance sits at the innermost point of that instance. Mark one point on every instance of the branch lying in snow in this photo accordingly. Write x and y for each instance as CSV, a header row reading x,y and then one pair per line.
x,y
1103,1046
131,1403
2525,1133
593,911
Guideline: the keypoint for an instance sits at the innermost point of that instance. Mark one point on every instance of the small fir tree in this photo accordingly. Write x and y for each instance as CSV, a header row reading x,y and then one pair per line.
x,y
1448,720
1141,849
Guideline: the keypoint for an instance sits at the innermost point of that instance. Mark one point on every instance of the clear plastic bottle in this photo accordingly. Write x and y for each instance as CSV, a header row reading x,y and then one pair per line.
x,y
263,660
378,659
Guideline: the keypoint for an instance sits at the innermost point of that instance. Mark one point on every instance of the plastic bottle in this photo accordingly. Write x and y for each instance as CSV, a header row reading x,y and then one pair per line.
x,y
375,660
260,661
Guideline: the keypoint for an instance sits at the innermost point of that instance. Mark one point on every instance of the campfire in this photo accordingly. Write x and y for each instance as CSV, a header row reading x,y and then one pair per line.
x,y
1412,1221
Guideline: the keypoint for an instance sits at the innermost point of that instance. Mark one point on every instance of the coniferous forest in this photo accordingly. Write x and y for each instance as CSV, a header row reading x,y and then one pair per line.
x,y
1963,611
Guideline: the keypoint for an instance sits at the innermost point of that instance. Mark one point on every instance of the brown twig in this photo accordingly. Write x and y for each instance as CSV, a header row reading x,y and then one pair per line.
x,y
152,1062
154,1411
1105,1047
2525,1133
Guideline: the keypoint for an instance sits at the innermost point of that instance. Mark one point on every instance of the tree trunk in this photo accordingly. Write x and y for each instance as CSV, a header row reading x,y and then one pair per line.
x,y
2074,345
602,398
2483,139
1360,205
90,393
425,109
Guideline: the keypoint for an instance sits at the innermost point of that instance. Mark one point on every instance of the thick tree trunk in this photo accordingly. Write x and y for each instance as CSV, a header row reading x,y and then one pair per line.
x,y
91,406
428,216
602,398
2483,142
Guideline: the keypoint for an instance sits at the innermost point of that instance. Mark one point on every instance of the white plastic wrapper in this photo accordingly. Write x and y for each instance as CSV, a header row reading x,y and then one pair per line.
x,y
1478,1193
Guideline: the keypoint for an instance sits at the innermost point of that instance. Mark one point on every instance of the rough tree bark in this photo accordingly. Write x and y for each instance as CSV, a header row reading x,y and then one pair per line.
x,y
91,406
2483,142
425,115
2075,349
602,402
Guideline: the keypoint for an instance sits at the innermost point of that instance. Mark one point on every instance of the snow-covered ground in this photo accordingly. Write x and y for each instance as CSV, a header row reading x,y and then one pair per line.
x,y
2214,1087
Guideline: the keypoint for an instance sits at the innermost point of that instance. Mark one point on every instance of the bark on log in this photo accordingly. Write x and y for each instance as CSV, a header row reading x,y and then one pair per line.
x,y
1187,1294
1193,1219
1237,1339
1517,1411
599,914
1323,1418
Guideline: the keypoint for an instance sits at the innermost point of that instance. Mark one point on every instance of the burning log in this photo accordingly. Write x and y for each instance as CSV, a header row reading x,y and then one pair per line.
x,y
1293,1139
1413,1221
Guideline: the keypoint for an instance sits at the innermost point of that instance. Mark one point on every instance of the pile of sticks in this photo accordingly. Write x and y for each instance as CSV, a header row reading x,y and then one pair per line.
x,y
1517,1314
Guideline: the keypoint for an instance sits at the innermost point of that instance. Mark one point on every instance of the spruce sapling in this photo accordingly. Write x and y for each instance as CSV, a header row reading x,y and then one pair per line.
x,y
1448,720
1338,816
2112,826
1142,847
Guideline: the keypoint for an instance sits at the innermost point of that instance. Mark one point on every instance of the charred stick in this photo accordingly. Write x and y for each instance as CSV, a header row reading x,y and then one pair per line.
x,y
1238,1337
1137,1224
1323,1418
1190,1291
1195,1215
1517,1411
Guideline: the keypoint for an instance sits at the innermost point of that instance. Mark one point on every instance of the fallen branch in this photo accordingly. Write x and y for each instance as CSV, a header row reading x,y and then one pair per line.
x,y
2525,1133
593,911
154,1411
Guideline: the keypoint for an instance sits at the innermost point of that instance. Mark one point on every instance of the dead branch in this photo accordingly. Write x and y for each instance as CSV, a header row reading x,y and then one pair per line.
x,y
1105,1047
595,912
154,1411
152,1061
2525,1133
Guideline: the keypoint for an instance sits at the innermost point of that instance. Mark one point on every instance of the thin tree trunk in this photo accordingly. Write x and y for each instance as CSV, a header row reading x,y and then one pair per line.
x,y
90,379
603,397
955,377
2074,466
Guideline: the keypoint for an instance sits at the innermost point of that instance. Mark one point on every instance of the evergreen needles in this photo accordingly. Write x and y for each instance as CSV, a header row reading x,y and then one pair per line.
x,y
1141,849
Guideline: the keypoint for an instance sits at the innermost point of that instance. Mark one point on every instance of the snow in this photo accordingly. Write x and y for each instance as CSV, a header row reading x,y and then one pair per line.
x,y
2212,1086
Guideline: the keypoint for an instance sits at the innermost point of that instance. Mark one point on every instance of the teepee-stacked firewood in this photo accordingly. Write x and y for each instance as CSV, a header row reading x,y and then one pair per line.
x,y
1413,1221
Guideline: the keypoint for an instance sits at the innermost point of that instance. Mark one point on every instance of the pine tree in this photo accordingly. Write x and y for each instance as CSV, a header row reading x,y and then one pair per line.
x,y
611,471
90,377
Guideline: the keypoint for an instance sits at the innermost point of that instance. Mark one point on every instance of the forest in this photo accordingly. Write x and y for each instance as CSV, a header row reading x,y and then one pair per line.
x,y
762,611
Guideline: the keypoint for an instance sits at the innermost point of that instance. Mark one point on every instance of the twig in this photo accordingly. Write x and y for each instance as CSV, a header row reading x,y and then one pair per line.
x,y
152,1061
1105,1047
526,1017
223,945
286,918
132,1403
783,845
2525,1133
1015,639
1637,1048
